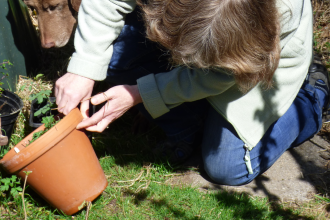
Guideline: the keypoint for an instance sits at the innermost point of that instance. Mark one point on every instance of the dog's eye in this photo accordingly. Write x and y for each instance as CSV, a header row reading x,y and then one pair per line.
x,y
53,7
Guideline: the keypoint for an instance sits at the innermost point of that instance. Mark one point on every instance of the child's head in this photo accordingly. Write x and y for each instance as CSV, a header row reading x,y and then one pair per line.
x,y
239,35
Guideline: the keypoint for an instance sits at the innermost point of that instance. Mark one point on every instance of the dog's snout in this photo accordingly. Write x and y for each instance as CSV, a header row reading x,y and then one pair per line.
x,y
55,26
48,44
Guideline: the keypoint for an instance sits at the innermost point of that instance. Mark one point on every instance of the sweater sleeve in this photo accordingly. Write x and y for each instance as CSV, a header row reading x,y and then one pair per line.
x,y
289,22
163,91
99,24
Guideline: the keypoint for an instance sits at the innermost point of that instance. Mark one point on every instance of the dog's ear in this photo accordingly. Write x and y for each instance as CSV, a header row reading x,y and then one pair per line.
x,y
75,4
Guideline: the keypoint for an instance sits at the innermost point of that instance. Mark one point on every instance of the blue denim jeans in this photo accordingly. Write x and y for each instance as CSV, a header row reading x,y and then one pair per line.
x,y
222,150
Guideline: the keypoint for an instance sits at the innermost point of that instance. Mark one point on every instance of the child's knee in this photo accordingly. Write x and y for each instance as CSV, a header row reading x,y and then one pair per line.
x,y
228,175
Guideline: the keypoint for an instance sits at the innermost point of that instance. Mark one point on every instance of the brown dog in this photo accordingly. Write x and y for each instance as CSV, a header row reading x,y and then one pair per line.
x,y
56,20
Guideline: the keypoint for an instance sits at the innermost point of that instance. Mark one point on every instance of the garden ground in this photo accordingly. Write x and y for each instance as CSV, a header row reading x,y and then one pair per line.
x,y
141,187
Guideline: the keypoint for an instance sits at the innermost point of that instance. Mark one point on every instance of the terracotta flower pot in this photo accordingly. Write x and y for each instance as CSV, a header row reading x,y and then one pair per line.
x,y
65,169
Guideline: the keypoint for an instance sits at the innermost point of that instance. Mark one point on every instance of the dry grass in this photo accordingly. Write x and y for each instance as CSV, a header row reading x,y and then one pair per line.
x,y
322,30
321,10
25,87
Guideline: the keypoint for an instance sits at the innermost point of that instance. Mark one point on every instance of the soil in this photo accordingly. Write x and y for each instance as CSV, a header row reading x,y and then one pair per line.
x,y
6,108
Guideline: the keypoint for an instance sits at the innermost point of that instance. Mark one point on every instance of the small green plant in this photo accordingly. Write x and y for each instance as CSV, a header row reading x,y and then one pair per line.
x,y
26,176
49,122
3,68
41,97
327,45
3,152
10,183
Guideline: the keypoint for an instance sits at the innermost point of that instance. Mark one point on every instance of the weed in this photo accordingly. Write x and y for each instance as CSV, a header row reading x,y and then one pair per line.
x,y
49,122
41,97
26,176
3,67
3,151
10,183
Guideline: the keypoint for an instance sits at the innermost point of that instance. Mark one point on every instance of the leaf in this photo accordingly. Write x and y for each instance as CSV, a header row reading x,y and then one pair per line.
x,y
32,97
37,113
48,121
13,178
46,93
27,172
14,191
40,99
18,188
4,188
6,181
22,88
38,76
45,109
323,198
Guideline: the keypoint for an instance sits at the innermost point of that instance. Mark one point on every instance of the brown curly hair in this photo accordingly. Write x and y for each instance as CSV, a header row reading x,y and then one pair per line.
x,y
241,36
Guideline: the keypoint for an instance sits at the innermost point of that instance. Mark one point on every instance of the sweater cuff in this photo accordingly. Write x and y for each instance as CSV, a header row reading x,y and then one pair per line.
x,y
151,96
87,69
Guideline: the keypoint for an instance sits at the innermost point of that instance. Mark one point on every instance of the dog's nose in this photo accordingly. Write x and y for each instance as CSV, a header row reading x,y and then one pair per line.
x,y
48,44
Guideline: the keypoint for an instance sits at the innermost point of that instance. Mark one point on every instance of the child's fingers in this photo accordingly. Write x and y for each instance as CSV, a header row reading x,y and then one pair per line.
x,y
100,98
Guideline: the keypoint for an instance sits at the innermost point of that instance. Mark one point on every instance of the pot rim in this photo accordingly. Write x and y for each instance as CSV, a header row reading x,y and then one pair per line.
x,y
19,104
13,161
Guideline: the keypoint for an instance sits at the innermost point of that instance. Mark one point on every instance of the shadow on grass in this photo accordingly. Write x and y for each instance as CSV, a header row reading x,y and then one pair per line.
x,y
120,142
251,211
225,206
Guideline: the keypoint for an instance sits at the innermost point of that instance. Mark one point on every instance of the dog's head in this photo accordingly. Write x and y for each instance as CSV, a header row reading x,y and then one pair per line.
x,y
56,20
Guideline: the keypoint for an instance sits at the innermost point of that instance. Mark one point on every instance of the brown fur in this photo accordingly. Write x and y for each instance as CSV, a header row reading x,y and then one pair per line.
x,y
56,20
241,36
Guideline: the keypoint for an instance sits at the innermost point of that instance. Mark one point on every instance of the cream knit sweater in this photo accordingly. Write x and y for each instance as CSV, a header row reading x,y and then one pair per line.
x,y
100,22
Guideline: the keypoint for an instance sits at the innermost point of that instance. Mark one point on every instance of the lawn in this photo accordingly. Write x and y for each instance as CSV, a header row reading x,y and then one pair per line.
x,y
140,186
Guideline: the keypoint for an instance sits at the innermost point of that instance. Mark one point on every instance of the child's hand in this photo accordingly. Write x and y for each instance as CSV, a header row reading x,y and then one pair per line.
x,y
119,100
70,90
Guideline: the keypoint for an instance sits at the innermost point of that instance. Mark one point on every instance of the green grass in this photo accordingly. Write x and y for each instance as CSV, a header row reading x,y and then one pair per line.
x,y
140,187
